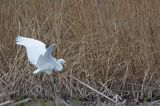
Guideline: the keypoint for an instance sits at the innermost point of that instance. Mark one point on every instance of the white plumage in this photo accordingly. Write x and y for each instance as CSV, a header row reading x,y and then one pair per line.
x,y
39,56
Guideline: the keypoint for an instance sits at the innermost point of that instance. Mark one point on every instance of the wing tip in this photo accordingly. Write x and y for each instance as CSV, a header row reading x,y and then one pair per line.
x,y
19,39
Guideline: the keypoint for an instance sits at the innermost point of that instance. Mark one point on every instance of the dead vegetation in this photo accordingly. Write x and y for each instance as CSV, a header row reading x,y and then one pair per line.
x,y
111,46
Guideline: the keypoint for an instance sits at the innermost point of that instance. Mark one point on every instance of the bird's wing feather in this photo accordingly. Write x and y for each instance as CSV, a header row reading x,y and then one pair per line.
x,y
34,48
47,57
50,50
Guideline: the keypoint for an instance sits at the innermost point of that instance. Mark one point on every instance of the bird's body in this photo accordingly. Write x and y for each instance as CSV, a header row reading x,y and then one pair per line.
x,y
39,56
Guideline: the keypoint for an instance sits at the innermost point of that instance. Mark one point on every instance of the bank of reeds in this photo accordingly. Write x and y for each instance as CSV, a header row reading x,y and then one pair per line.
x,y
111,46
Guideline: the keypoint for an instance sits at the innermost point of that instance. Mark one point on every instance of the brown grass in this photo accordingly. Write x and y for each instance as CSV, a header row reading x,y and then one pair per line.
x,y
108,44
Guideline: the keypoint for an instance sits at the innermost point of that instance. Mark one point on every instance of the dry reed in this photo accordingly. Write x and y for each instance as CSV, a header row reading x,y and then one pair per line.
x,y
107,44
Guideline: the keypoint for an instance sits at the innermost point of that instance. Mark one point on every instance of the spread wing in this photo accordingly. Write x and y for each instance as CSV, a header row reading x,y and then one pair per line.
x,y
34,48
50,50
46,57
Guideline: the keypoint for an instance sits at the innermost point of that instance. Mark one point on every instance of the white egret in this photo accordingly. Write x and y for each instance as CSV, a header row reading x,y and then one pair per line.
x,y
40,56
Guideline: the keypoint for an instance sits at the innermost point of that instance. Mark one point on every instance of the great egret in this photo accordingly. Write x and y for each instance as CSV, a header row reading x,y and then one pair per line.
x,y
40,56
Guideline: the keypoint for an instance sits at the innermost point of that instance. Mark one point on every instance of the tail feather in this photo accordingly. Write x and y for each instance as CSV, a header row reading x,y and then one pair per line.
x,y
36,71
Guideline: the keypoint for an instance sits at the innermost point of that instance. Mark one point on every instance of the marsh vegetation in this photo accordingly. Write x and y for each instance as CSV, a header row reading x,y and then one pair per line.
x,y
111,47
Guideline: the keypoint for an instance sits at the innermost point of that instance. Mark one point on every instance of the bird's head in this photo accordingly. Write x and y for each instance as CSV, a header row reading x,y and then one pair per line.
x,y
61,61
